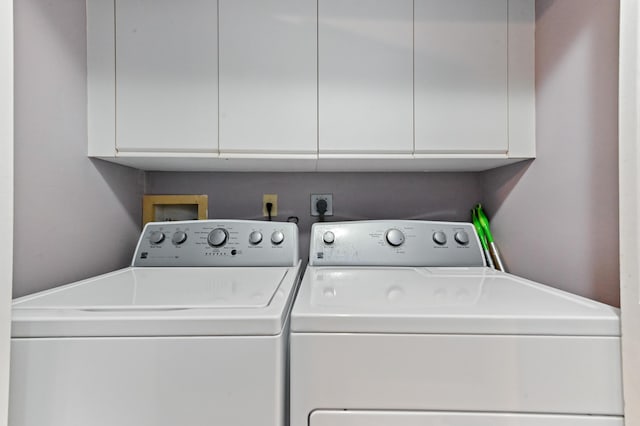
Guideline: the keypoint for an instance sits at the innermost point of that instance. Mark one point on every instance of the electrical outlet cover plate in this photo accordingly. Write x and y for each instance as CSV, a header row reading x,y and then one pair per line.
x,y
328,198
273,199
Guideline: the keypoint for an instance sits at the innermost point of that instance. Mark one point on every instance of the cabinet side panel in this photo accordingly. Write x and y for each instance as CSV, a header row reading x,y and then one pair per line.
x,y
522,107
101,78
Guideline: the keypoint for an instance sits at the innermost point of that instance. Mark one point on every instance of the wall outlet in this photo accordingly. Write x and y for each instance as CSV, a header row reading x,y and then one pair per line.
x,y
314,204
273,199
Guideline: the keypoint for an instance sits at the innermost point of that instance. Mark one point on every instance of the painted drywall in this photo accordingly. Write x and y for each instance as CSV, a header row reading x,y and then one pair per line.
x,y
6,197
74,217
556,218
428,196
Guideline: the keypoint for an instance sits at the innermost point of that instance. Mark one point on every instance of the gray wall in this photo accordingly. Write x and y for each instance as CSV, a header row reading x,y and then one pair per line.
x,y
74,217
556,218
429,196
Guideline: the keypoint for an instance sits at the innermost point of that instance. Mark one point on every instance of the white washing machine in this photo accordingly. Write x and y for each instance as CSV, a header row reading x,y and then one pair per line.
x,y
194,333
400,323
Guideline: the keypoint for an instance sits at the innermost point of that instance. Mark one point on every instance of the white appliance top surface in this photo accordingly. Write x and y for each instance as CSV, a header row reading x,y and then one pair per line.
x,y
474,300
166,288
162,301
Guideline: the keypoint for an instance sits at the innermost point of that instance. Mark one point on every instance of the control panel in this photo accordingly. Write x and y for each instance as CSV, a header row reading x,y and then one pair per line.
x,y
217,243
395,243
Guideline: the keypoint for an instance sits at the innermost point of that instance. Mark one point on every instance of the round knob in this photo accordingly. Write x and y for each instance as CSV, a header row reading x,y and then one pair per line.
x,y
328,237
156,237
179,237
277,237
440,238
395,237
462,238
255,237
217,237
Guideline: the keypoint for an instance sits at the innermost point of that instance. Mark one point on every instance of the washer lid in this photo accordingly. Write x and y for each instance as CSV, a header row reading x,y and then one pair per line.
x,y
443,301
161,301
165,289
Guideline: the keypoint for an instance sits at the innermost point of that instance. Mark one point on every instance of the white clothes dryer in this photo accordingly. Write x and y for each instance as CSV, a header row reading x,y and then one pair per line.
x,y
193,333
400,323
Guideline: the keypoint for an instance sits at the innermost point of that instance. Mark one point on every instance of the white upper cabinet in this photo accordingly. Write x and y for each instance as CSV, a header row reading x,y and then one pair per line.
x,y
365,76
461,99
166,68
303,85
268,76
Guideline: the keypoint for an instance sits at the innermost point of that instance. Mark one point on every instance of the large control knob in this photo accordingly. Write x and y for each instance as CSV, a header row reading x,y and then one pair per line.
x,y
179,237
440,238
395,237
328,237
277,237
461,238
217,237
255,237
156,237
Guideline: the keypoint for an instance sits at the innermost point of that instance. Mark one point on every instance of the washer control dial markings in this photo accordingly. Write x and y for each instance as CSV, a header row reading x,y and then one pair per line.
x,y
395,237
218,237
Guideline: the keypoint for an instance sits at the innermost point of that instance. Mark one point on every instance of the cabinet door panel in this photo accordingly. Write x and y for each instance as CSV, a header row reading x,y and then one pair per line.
x,y
365,97
461,76
166,75
268,76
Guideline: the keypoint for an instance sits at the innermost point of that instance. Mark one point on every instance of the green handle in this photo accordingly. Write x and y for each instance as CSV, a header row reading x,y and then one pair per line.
x,y
484,222
479,229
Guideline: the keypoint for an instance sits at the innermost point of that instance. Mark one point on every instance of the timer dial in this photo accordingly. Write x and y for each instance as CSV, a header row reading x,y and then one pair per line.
x,y
395,237
328,237
218,237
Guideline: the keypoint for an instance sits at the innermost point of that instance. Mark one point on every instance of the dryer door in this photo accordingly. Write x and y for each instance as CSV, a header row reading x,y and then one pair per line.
x,y
441,418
